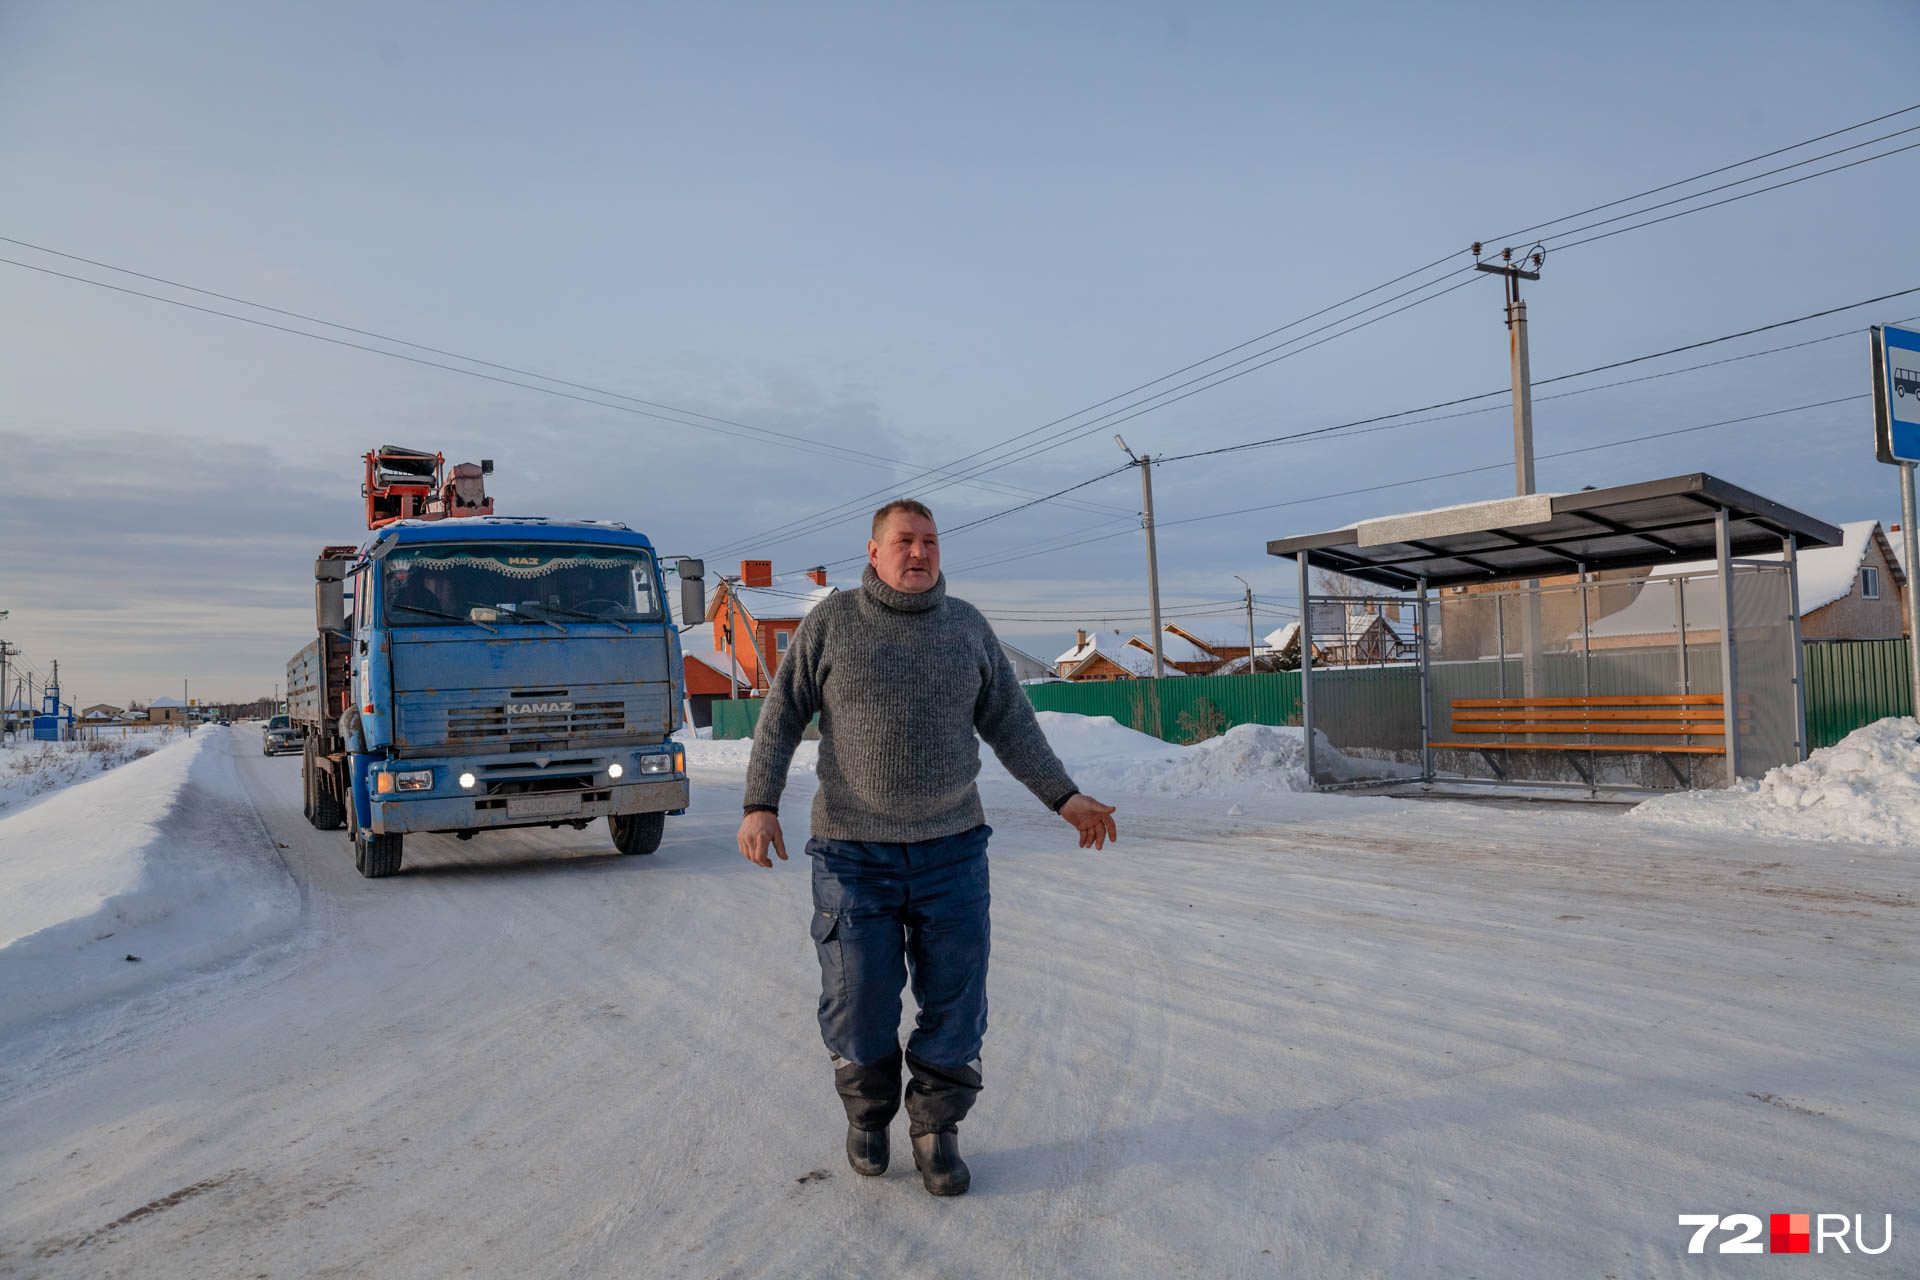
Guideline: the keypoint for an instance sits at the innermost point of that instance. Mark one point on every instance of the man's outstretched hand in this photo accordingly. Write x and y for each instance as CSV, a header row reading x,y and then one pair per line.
x,y
760,831
1093,820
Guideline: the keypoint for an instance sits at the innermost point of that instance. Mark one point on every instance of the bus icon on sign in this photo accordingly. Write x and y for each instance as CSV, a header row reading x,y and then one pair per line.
x,y
1906,382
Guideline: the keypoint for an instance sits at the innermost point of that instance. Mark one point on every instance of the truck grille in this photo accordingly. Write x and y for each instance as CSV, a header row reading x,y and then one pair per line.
x,y
535,715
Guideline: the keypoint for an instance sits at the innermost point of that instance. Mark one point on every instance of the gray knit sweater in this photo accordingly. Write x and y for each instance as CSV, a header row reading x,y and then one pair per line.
x,y
901,683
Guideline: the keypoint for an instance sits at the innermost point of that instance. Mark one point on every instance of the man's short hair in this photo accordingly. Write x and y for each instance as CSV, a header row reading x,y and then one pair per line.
x,y
898,504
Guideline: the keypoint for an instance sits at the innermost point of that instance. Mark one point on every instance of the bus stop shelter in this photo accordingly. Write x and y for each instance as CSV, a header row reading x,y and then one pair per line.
x,y
1552,634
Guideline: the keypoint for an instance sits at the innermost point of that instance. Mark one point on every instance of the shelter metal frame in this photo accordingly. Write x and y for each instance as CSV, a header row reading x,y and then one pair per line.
x,y
1635,526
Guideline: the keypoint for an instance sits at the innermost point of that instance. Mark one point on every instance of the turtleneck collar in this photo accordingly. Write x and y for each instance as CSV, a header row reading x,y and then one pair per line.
x,y
900,601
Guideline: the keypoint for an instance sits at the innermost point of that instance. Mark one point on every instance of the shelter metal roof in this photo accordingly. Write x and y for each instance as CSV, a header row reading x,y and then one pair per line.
x,y
1631,526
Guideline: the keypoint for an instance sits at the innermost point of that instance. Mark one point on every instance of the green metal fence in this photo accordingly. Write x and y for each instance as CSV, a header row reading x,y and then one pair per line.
x,y
1849,684
1157,706
1852,683
735,717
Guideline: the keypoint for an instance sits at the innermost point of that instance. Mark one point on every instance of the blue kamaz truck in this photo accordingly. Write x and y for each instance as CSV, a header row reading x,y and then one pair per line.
x,y
480,672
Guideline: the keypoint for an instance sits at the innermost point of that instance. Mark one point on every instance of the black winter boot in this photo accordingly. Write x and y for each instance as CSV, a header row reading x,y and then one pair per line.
x,y
871,1094
867,1151
937,1157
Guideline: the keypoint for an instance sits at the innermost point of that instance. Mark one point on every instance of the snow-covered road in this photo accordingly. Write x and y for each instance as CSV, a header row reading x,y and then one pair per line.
x,y
1324,1037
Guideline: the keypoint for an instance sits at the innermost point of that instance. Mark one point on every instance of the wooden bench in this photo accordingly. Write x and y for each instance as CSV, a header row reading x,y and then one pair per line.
x,y
1686,717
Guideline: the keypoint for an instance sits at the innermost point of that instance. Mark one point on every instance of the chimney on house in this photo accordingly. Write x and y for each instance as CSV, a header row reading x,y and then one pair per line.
x,y
756,573
817,575
1079,639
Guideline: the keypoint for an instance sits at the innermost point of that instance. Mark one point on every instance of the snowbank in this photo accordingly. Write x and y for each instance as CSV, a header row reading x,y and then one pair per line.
x,y
1865,789
31,770
1104,755
164,856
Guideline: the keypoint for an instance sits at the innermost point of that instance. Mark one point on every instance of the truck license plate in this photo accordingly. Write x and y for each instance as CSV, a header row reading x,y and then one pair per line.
x,y
541,806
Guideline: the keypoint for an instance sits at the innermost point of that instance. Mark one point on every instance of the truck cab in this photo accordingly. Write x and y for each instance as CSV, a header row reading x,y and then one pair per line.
x,y
496,672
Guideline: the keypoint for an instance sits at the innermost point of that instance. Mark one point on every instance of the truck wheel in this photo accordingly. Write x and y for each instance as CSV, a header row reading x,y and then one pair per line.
x,y
377,856
637,832
328,813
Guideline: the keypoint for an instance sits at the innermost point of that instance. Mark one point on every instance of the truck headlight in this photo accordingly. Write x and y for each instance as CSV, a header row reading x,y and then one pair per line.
x,y
466,782
414,780
614,770
661,763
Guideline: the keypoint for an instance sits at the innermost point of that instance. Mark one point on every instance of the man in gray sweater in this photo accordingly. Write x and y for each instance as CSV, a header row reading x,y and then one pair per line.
x,y
902,676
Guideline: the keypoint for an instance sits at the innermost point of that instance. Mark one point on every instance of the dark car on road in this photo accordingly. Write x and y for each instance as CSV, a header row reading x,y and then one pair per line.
x,y
282,736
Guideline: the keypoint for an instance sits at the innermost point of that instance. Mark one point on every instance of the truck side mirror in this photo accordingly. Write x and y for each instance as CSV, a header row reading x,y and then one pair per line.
x,y
693,591
329,604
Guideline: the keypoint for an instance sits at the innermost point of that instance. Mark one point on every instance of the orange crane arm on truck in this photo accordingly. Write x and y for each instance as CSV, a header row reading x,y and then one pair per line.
x,y
411,484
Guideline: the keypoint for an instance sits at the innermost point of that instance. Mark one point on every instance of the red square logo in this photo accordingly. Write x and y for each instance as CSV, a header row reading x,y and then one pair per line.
x,y
1791,1232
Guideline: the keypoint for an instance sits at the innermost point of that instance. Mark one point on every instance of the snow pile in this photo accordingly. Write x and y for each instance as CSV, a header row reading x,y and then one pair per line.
x,y
34,769
1104,755
165,856
1865,789
730,755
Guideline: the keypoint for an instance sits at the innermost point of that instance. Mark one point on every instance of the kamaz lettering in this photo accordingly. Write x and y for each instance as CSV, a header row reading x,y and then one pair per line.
x,y
538,708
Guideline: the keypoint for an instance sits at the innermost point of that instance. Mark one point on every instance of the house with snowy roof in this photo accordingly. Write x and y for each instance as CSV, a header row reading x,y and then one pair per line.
x,y
167,711
1850,592
1105,655
1219,640
750,620
101,713
1026,668
1279,651
1371,636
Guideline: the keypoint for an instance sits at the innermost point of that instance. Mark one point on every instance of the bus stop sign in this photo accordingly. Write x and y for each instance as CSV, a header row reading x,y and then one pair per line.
x,y
1896,394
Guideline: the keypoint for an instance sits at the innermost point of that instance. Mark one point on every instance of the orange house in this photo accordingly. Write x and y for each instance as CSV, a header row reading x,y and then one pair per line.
x,y
751,619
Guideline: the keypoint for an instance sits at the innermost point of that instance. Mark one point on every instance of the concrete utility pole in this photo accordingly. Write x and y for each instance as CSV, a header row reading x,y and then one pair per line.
x,y
1145,463
6,705
1249,586
1523,482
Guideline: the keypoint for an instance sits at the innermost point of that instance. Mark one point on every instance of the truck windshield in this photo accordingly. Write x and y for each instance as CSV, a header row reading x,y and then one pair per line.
x,y
531,583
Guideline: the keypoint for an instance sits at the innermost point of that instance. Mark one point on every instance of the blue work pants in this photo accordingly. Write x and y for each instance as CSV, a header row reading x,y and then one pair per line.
x,y
886,915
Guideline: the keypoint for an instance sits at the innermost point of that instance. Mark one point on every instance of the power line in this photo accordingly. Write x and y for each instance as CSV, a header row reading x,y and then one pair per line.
x,y
1605,235
1468,471
792,528
827,517
719,426
1710,173
1108,420
1563,377
1347,427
